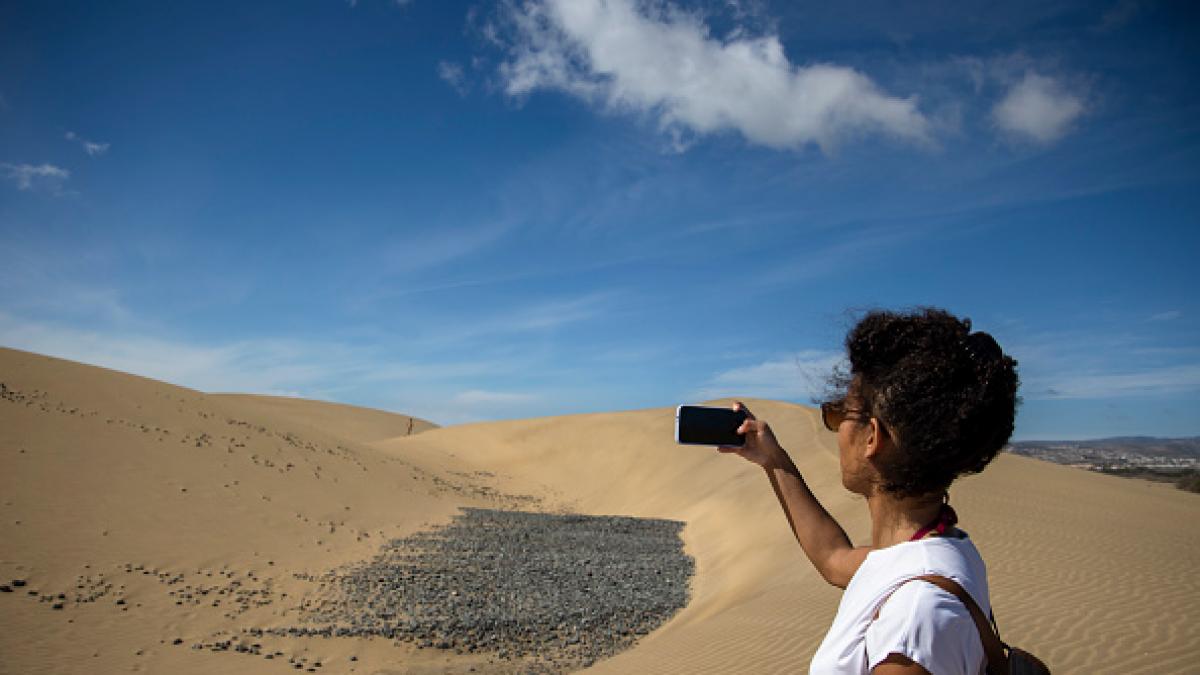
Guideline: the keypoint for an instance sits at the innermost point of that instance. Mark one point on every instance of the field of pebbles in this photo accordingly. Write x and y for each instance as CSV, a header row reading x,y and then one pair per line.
x,y
553,591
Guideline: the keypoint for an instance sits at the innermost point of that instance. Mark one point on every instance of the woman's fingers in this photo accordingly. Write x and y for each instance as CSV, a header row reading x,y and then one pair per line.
x,y
750,426
738,405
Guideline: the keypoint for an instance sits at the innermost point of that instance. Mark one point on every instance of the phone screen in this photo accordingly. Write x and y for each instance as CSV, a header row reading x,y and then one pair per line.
x,y
699,425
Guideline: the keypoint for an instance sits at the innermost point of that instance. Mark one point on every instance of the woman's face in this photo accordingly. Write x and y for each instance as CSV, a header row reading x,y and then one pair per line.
x,y
853,432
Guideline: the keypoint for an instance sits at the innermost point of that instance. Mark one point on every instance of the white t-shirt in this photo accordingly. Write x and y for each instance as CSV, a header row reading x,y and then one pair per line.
x,y
920,620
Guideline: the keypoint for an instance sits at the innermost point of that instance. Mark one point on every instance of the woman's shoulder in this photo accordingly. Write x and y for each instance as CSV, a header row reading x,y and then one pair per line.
x,y
935,555
885,570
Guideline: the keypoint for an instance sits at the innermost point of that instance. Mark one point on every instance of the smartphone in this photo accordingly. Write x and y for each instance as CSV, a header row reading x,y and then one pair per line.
x,y
700,425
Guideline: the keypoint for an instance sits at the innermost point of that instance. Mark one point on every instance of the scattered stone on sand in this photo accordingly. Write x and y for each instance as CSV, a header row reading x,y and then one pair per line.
x,y
556,591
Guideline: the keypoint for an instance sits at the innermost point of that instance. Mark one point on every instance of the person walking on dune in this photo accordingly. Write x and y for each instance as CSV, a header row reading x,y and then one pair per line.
x,y
924,401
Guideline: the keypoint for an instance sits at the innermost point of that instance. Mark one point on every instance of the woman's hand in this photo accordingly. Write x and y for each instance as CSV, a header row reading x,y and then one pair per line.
x,y
761,447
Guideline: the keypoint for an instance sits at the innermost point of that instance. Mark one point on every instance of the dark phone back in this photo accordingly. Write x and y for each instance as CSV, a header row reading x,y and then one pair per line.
x,y
699,425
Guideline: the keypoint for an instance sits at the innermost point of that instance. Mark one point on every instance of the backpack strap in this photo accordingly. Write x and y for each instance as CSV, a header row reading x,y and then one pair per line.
x,y
993,648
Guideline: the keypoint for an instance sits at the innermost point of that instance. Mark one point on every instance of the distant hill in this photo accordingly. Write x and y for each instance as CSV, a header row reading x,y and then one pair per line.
x,y
1173,460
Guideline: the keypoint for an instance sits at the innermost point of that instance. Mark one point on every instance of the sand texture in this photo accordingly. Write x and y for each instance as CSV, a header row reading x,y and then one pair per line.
x,y
161,513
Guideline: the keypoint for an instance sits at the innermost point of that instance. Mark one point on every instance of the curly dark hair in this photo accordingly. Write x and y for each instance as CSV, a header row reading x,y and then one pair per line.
x,y
945,395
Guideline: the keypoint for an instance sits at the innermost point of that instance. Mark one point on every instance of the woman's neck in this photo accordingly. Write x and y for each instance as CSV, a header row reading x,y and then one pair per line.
x,y
895,520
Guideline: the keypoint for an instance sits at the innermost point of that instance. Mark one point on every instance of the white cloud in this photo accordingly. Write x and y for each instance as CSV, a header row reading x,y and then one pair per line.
x,y
1038,108
91,148
454,75
29,177
800,376
657,60
1167,316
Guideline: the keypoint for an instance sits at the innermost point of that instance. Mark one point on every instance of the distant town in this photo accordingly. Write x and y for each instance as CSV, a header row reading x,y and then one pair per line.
x,y
1174,460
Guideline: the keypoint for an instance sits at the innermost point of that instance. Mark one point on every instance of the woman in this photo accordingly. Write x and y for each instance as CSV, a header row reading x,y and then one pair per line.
x,y
924,401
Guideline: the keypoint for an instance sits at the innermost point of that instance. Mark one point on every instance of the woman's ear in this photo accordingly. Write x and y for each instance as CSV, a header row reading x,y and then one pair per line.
x,y
877,439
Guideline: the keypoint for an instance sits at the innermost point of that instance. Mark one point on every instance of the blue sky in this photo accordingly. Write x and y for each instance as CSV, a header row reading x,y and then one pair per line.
x,y
474,211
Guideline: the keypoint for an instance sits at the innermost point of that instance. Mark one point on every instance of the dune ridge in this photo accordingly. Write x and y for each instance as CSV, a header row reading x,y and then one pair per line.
x,y
105,473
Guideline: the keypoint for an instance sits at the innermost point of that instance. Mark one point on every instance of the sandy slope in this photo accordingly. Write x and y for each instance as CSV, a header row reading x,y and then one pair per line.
x,y
100,471
223,498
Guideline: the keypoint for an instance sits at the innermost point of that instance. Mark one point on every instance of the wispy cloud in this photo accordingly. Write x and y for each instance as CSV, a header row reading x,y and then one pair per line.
x,y
508,322
475,405
36,177
659,60
419,251
93,149
556,313
800,376
313,369
444,371
1167,316
262,365
453,75
853,246
1038,108
41,282
1125,356
398,3
1118,16
1146,382
480,396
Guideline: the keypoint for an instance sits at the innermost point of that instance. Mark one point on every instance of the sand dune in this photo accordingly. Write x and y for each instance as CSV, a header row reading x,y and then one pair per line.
x,y
167,500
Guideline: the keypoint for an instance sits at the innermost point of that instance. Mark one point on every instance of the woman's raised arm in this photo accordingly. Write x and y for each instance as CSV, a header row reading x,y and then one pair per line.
x,y
822,538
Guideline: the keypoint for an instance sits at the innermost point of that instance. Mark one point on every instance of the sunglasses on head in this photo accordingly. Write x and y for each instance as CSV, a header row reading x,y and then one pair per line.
x,y
833,413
